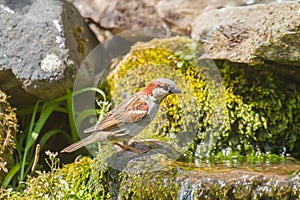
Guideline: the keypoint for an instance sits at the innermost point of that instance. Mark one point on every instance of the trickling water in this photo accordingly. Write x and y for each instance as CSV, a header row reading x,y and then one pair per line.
x,y
243,182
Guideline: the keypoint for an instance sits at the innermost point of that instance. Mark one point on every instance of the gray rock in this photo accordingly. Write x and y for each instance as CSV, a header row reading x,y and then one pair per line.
x,y
42,45
251,34
181,13
178,15
119,15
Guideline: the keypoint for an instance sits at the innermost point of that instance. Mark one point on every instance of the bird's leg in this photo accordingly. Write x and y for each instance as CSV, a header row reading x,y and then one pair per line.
x,y
144,150
125,147
131,146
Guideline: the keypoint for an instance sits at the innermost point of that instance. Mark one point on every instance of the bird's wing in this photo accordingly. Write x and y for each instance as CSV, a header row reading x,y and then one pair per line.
x,y
129,111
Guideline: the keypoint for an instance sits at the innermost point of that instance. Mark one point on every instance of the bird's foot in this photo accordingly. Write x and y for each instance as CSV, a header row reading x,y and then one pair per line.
x,y
130,147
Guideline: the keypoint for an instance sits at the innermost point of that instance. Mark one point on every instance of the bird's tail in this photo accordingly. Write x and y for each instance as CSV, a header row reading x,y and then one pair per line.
x,y
79,144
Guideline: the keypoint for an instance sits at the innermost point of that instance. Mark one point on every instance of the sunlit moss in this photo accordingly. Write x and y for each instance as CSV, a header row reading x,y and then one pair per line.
x,y
262,125
261,116
69,182
142,65
156,176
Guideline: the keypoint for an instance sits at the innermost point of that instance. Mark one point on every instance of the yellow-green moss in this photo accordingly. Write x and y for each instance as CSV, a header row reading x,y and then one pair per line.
x,y
263,112
69,182
142,180
8,130
143,65
261,116
155,176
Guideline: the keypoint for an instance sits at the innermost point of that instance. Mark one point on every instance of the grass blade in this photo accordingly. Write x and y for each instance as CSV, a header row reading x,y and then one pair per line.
x,y
10,175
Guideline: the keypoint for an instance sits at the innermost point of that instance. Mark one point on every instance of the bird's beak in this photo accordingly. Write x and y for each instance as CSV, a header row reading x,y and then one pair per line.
x,y
176,90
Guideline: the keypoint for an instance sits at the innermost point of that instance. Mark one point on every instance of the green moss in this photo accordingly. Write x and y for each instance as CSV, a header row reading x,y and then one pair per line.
x,y
261,113
104,180
69,182
72,180
155,176
154,179
261,125
157,61
101,178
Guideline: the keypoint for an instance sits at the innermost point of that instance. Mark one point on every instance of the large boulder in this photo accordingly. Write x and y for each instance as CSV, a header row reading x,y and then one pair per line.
x,y
180,13
43,44
252,34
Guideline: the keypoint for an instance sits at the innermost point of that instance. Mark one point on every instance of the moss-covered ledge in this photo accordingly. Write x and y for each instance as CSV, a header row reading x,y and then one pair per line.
x,y
156,175
161,178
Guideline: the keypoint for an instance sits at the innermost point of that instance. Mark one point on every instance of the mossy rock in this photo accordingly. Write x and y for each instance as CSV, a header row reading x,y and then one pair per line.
x,y
8,130
155,175
261,115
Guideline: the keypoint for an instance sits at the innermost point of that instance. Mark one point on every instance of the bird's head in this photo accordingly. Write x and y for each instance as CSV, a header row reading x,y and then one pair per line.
x,y
160,88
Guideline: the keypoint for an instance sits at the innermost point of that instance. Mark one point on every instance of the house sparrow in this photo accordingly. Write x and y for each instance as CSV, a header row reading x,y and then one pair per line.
x,y
130,117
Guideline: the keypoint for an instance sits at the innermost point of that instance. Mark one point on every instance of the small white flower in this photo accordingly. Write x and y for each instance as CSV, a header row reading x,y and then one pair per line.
x,y
51,154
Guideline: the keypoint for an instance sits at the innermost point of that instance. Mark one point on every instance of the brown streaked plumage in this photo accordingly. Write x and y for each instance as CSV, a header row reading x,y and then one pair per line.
x,y
130,117
128,114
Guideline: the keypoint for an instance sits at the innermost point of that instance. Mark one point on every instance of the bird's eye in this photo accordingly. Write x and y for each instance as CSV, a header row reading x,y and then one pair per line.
x,y
165,88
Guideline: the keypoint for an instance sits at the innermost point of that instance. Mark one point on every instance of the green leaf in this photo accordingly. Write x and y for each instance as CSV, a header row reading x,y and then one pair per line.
x,y
71,116
10,175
